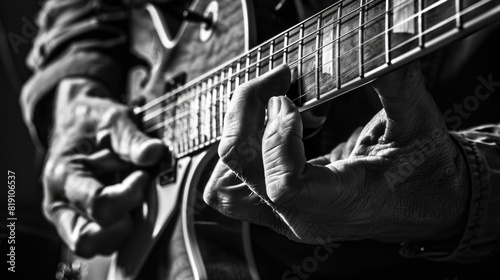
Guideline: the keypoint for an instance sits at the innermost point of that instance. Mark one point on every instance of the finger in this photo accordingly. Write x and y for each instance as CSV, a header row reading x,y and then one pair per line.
x,y
290,180
83,236
114,202
407,103
401,90
231,197
128,142
104,161
239,147
70,182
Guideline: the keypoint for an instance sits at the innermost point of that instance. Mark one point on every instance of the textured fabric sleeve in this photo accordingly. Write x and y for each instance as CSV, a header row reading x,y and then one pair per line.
x,y
481,237
76,38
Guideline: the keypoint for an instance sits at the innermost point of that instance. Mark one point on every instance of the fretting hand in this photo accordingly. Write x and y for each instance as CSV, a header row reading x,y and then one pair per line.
x,y
405,178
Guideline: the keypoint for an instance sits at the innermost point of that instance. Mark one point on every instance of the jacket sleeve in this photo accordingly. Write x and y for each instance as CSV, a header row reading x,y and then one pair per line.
x,y
76,38
481,235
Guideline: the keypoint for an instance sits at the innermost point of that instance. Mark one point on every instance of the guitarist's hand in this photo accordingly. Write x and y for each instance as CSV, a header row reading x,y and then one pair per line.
x,y
405,178
94,137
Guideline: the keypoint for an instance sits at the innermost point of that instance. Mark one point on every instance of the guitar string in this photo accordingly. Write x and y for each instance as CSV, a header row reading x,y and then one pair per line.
x,y
305,57
265,59
327,10
160,99
347,73
176,104
400,45
157,112
446,21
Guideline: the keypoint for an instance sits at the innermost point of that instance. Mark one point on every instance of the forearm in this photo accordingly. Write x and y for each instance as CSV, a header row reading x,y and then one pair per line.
x,y
77,39
479,240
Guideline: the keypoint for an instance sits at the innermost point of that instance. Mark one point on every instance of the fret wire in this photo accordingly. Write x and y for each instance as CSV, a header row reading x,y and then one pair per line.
x,y
458,6
420,24
318,27
176,131
237,76
199,114
271,55
208,113
360,39
387,38
186,126
257,63
180,137
208,118
247,69
194,121
333,50
285,48
299,58
187,122
444,22
214,109
221,103
229,85
337,47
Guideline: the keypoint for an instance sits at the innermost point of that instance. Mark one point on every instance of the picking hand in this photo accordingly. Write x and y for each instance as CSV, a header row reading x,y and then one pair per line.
x,y
405,178
94,138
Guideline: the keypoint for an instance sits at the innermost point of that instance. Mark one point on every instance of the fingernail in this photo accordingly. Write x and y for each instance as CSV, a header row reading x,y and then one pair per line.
x,y
274,106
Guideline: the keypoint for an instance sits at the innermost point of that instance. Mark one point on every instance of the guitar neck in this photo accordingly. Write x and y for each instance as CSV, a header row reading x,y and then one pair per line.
x,y
335,51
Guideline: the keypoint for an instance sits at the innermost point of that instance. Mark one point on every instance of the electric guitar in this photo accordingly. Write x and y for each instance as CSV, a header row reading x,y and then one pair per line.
x,y
193,66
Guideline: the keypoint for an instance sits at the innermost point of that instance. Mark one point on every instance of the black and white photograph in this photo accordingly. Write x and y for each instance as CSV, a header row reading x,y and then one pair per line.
x,y
250,139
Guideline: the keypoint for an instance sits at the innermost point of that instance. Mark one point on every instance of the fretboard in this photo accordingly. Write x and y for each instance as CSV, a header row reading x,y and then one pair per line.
x,y
339,49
